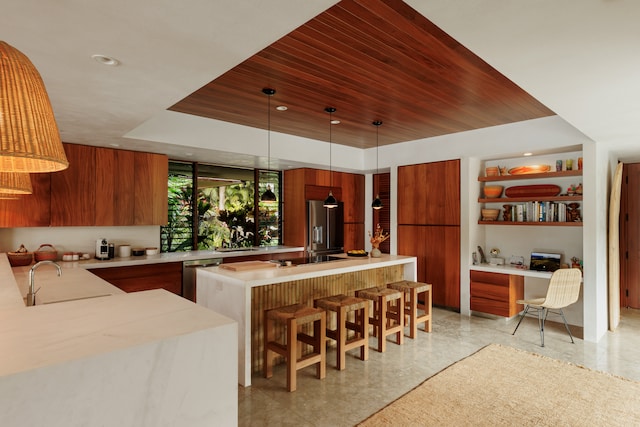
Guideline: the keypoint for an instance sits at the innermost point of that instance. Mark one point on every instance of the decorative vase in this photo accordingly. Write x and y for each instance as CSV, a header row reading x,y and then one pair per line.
x,y
375,253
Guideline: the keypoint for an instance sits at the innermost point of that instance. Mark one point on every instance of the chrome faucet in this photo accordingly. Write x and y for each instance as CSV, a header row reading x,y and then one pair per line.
x,y
31,295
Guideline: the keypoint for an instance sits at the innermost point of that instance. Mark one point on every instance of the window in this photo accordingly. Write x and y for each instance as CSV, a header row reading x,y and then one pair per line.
x,y
222,212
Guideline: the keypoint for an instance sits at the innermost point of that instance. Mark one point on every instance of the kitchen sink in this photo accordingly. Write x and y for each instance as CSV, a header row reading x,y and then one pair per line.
x,y
68,299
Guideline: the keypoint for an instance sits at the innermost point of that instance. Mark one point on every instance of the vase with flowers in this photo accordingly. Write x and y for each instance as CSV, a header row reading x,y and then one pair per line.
x,y
378,237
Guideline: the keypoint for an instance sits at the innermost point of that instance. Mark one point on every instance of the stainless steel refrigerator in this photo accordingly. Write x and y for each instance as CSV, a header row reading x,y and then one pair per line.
x,y
325,228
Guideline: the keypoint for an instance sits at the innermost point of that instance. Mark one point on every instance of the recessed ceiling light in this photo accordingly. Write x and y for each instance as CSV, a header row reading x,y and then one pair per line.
x,y
282,108
527,154
105,60
335,122
188,154
113,144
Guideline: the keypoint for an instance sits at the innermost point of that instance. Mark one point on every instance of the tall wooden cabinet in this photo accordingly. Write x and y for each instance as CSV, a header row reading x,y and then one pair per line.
x,y
305,184
429,225
101,187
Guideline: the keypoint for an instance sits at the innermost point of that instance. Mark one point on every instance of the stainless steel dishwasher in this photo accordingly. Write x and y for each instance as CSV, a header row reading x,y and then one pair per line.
x,y
189,275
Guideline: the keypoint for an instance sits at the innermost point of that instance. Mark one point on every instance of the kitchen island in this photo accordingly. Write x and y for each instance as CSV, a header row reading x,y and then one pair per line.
x,y
92,355
244,295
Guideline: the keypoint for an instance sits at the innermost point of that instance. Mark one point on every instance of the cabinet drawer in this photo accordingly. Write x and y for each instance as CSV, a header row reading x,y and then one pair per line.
x,y
490,306
487,277
490,291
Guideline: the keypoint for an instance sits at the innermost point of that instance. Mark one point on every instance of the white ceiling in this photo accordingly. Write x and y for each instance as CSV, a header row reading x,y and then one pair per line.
x,y
578,57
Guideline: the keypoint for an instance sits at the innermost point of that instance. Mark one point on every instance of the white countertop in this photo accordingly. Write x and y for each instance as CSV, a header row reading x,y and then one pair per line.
x,y
509,269
181,256
268,276
81,323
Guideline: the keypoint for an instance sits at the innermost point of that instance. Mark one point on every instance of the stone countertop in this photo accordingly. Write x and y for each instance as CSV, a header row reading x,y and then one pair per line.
x,y
48,334
181,256
307,271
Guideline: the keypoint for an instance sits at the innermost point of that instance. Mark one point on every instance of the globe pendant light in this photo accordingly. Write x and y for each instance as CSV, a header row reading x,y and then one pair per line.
x,y
330,202
377,203
268,196
29,137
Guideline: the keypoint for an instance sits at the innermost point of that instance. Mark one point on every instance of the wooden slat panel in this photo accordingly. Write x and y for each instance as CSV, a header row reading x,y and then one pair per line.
x,y
371,61
305,291
382,187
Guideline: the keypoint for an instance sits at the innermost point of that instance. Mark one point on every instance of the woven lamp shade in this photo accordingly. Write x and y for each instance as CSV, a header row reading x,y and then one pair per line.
x,y
15,183
29,136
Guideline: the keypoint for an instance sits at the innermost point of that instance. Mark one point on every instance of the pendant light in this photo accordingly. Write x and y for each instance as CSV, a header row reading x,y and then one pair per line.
x,y
268,196
377,203
330,202
29,137
14,183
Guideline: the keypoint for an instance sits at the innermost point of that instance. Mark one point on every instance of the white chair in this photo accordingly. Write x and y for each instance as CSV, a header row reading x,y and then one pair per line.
x,y
564,289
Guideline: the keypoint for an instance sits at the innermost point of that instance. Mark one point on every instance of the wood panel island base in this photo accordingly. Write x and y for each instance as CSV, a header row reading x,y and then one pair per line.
x,y
245,295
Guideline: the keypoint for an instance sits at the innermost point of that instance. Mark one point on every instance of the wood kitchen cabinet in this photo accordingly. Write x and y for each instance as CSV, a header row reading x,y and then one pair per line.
x,y
437,249
32,210
496,293
305,184
429,225
150,189
101,186
73,190
144,277
114,177
429,193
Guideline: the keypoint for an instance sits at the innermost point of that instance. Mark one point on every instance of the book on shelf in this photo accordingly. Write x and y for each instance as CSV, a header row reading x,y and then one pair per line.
x,y
539,212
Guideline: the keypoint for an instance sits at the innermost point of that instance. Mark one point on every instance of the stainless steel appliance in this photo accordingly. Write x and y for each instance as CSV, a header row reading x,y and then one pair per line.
x,y
189,275
325,228
102,248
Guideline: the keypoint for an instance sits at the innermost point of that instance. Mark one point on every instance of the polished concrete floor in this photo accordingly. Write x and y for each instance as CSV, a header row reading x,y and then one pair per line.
x,y
345,398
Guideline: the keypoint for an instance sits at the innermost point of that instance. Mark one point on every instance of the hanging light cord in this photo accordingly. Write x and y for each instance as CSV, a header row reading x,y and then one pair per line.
x,y
331,110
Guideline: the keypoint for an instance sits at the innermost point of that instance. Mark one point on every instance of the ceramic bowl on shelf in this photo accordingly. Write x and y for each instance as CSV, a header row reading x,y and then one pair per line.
x,y
492,171
490,214
492,191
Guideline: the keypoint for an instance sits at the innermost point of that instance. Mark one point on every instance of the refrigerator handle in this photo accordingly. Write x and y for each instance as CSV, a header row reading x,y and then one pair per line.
x,y
317,234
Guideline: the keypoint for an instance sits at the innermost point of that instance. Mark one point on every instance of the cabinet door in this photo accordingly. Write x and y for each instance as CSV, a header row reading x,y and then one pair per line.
x,y
73,190
293,208
352,186
114,178
144,277
437,249
150,188
31,210
354,237
429,193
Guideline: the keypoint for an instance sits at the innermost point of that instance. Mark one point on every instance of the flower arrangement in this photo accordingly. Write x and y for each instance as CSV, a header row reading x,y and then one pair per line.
x,y
378,237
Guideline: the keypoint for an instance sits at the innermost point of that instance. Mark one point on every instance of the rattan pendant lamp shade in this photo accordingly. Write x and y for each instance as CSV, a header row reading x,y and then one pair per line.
x,y
29,136
13,183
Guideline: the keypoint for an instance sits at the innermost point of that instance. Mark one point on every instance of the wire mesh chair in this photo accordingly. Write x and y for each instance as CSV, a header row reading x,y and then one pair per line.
x,y
564,290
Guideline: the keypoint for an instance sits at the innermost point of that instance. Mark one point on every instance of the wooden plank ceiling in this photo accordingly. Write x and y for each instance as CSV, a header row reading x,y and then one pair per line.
x,y
371,60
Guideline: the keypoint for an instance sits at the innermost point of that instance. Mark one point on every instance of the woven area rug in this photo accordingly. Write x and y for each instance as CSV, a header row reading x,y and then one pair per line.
x,y
500,385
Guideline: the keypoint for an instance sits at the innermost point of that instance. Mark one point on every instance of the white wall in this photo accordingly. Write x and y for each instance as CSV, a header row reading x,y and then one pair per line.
x,y
78,239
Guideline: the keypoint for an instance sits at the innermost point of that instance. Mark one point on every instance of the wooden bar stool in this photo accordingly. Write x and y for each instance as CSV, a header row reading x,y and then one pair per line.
x,y
387,316
342,305
413,292
293,317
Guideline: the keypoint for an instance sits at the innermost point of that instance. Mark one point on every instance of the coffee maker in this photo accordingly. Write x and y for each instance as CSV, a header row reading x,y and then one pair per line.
x,y
102,248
